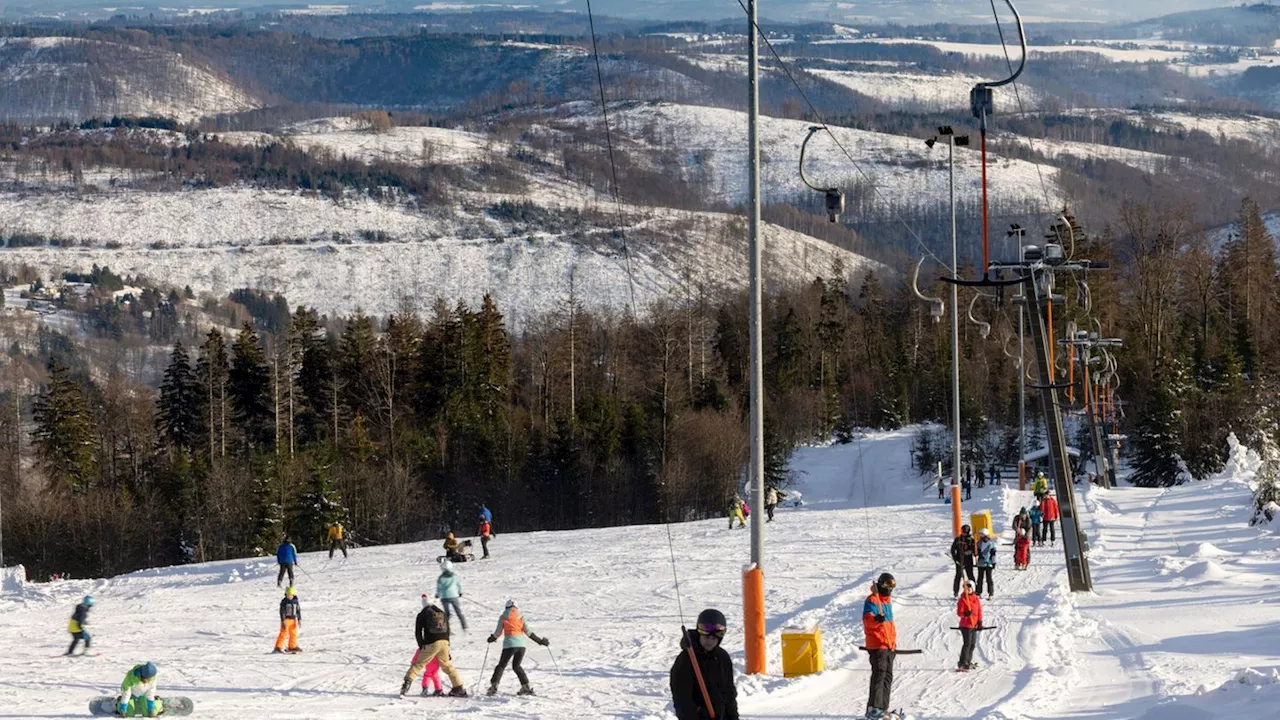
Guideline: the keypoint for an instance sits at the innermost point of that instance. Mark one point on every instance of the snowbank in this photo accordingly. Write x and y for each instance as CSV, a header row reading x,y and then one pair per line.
x,y
13,579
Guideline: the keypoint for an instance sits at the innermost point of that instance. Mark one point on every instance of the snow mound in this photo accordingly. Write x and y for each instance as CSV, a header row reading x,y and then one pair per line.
x,y
13,579
1255,678
1242,463
1205,571
1204,551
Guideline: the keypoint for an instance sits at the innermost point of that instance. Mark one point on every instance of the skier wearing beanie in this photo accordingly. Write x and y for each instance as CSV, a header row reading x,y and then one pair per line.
x,y
138,692
432,633
702,645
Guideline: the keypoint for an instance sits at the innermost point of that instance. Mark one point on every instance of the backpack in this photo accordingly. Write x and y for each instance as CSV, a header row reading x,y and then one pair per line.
x,y
436,624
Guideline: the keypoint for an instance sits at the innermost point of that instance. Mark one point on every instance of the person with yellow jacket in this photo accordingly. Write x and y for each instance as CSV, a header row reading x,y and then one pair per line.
x,y
516,635
76,626
336,541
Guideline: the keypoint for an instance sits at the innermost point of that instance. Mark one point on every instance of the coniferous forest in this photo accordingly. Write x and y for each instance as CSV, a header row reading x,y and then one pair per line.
x,y
399,426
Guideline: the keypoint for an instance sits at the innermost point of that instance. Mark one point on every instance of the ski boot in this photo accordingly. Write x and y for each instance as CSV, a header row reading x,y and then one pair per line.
x,y
276,651
875,714
493,689
458,691
525,690
295,649
437,693
404,687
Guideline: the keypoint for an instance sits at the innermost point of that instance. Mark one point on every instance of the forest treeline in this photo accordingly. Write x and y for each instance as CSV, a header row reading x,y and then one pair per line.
x,y
400,425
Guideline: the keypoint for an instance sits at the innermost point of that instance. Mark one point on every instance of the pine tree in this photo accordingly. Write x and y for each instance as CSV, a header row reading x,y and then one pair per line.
x,y
357,360
249,389
315,508
1266,495
211,379
178,410
1157,446
65,435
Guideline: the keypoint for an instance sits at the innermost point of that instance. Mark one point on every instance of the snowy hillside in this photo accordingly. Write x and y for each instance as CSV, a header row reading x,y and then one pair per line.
x,y
1181,625
351,138
916,90
363,254
58,78
901,169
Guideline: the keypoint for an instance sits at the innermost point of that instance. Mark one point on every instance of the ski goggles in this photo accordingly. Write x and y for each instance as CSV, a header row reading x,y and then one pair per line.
x,y
888,584
713,629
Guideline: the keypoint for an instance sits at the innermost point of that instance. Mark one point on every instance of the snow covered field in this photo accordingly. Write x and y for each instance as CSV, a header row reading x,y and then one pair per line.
x,y
714,143
1185,601
914,90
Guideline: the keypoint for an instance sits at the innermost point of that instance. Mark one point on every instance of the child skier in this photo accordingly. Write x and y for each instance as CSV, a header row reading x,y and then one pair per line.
x,y
1022,550
430,676
881,642
431,630
1036,519
986,562
449,589
76,626
969,608
516,635
702,645
290,622
336,541
287,556
735,512
1049,506
138,692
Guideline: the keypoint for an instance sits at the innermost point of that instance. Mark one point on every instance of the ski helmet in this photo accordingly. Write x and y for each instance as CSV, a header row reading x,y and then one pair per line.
x,y
446,565
984,532
290,591
89,601
426,600
885,583
712,622
1022,532
511,604
147,671
964,529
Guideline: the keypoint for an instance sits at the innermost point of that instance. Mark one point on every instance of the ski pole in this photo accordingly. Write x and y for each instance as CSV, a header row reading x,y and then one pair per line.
x,y
304,571
553,661
480,678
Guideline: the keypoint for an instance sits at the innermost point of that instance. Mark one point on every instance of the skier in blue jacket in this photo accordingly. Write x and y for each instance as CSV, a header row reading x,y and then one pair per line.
x,y
986,562
449,590
287,556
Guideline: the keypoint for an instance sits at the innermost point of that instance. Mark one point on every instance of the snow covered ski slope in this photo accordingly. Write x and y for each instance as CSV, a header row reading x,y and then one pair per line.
x,y
1186,599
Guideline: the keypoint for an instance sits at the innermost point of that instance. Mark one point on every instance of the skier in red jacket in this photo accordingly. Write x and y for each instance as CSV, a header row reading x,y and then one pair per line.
x,y
969,608
1049,507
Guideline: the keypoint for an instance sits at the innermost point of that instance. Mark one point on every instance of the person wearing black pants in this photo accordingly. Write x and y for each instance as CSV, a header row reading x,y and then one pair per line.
x,y
881,637
881,680
962,552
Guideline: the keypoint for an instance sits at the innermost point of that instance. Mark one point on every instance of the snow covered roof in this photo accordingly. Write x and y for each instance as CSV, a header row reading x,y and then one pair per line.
x,y
1043,453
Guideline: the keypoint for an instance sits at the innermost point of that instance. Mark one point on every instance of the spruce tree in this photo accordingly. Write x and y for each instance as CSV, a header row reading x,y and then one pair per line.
x,y
65,434
1157,446
178,416
249,390
357,361
315,508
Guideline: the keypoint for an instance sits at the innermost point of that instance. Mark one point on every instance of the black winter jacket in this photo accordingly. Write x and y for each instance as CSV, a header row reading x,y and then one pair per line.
x,y
717,672
963,549
431,627
289,608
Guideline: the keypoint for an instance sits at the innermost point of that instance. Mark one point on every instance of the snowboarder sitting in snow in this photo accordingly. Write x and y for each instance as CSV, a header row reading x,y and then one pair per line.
x,y
881,642
963,549
76,626
336,541
287,556
1036,519
454,550
516,635
432,633
969,608
1022,550
736,507
138,693
290,621
702,645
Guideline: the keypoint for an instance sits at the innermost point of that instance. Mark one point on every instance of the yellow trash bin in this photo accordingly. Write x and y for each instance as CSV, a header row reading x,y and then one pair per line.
x,y
980,520
802,652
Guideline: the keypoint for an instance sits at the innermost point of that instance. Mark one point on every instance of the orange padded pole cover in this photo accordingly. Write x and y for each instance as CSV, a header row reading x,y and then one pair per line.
x,y
955,511
753,622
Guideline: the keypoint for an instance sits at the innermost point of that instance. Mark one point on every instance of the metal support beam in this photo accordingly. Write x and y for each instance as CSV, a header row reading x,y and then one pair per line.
x,y
1073,540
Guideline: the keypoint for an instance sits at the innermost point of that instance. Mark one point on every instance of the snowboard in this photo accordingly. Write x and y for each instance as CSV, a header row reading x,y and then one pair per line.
x,y
171,706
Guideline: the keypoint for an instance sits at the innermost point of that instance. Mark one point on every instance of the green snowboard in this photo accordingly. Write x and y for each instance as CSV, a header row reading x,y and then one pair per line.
x,y
171,707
